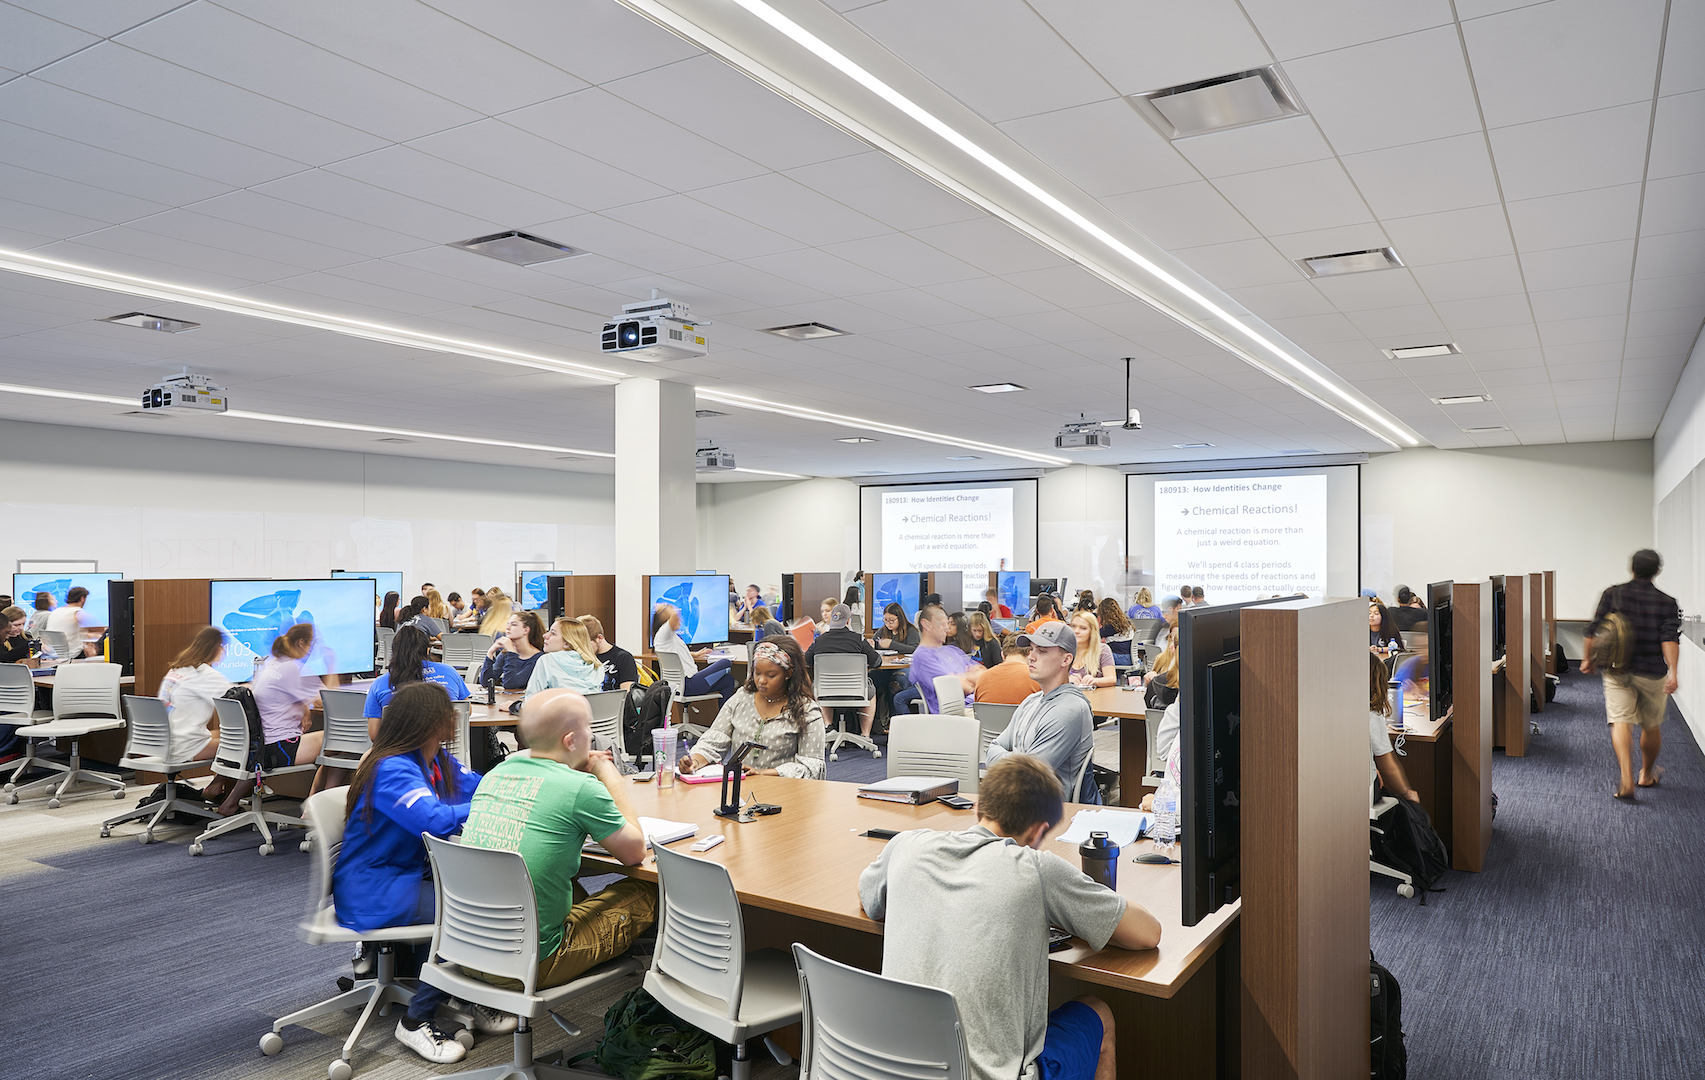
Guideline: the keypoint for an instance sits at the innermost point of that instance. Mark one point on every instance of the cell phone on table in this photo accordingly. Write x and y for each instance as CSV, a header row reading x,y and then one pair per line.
x,y
1058,939
641,777
958,802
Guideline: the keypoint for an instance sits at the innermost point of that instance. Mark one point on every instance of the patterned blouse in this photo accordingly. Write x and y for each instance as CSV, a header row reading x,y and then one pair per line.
x,y
794,747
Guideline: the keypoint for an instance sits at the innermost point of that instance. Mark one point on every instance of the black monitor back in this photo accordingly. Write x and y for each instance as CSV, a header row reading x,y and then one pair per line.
x,y
121,629
1440,619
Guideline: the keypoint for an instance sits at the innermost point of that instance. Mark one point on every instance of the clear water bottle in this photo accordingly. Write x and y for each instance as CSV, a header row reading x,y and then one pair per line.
x,y
1164,831
1394,691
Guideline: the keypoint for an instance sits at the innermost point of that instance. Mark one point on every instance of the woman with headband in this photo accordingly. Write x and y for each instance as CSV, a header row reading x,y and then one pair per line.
x,y
774,709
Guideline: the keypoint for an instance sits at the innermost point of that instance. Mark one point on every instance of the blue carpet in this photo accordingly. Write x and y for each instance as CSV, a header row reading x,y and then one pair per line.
x,y
1577,951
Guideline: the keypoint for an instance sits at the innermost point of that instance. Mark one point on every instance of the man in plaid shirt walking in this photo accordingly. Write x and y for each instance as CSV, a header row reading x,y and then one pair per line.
x,y
1639,696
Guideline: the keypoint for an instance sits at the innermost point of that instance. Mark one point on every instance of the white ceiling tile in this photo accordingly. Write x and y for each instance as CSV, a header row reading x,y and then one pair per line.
x,y
1145,47
342,196
1684,49
260,211
996,56
1580,217
1581,302
1529,63
792,209
1589,264
1668,367
604,236
720,103
70,197
127,251
680,217
991,297
1302,29
1482,311
1573,153
1296,198
1183,215
41,224
1498,338
1071,286
756,287
1655,294
1311,330
1385,325
1642,348
1104,147
593,39
1472,278
915,307
1670,254
989,244
389,274
824,273
1288,298
1304,245
1596,328
419,175
1240,264
1451,236
1678,136
243,240
877,185
1378,289
1365,97
1586,352
1674,204
240,51
1674,321
29,40
1291,141
1424,178
345,296
906,259
519,157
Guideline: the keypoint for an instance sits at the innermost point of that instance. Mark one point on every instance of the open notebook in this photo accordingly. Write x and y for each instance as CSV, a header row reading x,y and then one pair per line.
x,y
656,830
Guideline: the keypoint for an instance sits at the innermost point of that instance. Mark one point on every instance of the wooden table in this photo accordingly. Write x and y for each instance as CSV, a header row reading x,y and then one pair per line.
x,y
1427,760
797,877
46,681
1127,707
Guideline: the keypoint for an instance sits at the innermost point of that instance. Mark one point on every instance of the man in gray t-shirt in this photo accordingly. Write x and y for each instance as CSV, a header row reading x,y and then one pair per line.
x,y
969,912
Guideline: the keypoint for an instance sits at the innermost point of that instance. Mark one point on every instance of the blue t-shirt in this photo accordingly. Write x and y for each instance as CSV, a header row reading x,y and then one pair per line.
x,y
442,674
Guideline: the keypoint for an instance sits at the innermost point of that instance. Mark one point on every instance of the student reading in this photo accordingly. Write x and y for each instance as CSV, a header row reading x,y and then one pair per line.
x,y
774,709
969,912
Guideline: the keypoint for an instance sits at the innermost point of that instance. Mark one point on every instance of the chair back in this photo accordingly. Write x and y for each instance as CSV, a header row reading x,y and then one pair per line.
x,y
487,918
669,666
86,689
1121,652
459,746
57,641
1146,629
949,695
839,679
149,729
324,813
1151,733
866,1027
992,719
382,646
460,650
17,694
921,745
346,728
857,624
701,940
233,751
606,708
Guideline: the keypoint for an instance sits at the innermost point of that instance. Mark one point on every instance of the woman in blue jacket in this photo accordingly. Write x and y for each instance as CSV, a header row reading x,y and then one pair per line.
x,y
407,784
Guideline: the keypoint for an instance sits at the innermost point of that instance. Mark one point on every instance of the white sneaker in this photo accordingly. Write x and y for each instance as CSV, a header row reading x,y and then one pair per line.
x,y
430,1042
491,1022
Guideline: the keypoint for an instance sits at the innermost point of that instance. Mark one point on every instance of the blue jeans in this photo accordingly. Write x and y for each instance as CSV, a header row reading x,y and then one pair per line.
x,y
903,700
426,998
714,676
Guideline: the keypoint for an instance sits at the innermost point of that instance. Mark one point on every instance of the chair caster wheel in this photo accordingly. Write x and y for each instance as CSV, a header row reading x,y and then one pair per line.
x,y
105,832
339,1070
271,1043
465,1037
876,753
266,849
119,794
52,804
836,756
147,837
195,849
11,799
306,846
1406,891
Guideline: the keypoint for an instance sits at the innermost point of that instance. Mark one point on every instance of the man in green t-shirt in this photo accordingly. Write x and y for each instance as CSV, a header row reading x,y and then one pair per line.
x,y
545,806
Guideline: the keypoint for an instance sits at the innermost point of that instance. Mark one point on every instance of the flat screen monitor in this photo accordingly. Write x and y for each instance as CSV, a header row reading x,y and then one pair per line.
x,y
384,581
903,589
253,612
1004,624
1013,588
1498,616
534,590
702,600
1439,620
1040,585
25,587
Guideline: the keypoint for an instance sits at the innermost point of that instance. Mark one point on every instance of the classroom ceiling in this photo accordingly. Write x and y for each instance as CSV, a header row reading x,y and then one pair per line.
x,y
1537,167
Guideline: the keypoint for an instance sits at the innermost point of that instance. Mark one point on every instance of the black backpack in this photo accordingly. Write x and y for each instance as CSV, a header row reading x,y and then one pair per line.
x,y
643,710
1411,845
257,736
1389,1057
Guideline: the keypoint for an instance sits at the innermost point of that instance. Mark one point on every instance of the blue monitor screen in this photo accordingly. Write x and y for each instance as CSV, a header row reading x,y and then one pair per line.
x,y
902,589
387,581
702,600
535,591
25,587
254,612
1013,587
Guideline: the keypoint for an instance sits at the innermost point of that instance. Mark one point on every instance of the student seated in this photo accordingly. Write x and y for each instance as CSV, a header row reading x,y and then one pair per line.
x,y
896,634
44,608
621,670
840,638
1008,682
765,623
1382,630
189,688
969,912
1047,610
14,649
407,784
568,662
285,698
1410,612
985,643
666,637
1116,630
936,657
1055,724
775,708
388,611
1142,605
545,805
415,615
1161,682
409,663
76,624
1000,610
745,611
1093,664
1391,776
494,619
512,657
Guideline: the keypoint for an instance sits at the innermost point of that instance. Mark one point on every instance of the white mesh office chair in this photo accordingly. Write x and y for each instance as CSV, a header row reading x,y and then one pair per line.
x,y
324,813
862,1026
992,719
606,708
949,695
149,749
841,682
1151,731
460,650
1377,809
702,972
1145,630
949,746
85,700
57,641
346,729
18,697
487,921
382,647
669,665
228,761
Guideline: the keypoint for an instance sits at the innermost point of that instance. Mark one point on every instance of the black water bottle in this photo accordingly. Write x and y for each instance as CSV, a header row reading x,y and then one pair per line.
x,y
1100,859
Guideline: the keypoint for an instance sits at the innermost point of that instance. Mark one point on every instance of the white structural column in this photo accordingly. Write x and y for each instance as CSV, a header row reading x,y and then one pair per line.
x,y
656,516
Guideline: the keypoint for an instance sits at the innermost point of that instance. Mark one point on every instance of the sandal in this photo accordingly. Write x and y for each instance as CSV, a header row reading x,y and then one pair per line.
x,y
1657,775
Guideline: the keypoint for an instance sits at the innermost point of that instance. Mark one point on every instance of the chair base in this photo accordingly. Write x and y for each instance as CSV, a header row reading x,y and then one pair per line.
x,y
374,998
526,1067
72,771
257,816
841,736
156,812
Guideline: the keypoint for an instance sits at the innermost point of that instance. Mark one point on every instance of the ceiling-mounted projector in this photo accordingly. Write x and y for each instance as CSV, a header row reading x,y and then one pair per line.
x,y
715,459
1090,436
655,329
185,391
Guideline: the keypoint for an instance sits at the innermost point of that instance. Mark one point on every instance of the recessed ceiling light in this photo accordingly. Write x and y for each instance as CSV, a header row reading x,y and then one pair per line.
x,y
1461,399
963,457
998,388
1416,352
856,439
1481,430
1191,445
394,440
1227,101
522,249
153,322
1350,262
706,414
805,331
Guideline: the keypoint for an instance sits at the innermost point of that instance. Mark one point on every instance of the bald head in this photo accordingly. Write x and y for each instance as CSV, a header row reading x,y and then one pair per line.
x,y
548,718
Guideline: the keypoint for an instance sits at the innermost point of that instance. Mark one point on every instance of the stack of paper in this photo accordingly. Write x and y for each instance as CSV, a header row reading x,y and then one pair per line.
x,y
656,830
1121,826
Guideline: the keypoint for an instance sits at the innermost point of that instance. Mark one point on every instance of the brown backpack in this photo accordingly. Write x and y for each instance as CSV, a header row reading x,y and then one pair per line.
x,y
1613,645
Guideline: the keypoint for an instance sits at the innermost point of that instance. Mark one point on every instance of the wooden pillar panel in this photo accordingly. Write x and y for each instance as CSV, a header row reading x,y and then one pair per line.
x,y
1304,847
595,595
1551,621
810,590
1471,742
1536,659
1514,704
169,611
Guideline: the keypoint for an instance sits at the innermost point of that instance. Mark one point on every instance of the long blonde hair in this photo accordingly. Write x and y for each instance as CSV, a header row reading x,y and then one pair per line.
x,y
1145,597
574,635
497,612
1091,648
435,605
1166,665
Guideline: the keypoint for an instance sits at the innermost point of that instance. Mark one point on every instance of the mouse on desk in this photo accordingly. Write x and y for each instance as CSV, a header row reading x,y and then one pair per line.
x,y
1153,859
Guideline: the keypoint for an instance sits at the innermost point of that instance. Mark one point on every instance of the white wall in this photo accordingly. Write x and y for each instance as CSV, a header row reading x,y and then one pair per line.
x,y
1678,451
169,506
758,532
1081,527
1580,509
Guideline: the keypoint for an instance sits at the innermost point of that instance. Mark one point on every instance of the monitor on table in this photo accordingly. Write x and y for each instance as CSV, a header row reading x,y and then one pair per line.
x,y
253,612
95,610
702,600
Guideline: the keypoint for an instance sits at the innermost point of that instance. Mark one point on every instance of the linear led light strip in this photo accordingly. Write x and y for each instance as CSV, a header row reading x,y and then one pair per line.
x,y
303,421
24,262
671,20
859,423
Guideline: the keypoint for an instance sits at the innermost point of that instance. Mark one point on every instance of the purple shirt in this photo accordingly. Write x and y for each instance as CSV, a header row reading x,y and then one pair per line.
x,y
928,662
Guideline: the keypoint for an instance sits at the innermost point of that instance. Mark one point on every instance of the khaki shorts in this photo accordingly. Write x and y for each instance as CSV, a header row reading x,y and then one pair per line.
x,y
1635,699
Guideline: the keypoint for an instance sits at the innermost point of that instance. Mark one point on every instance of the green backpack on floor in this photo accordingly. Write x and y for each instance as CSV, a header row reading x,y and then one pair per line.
x,y
644,1041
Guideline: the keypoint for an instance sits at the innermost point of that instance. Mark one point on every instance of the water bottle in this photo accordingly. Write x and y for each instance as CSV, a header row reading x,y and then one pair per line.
x,y
1164,831
1394,692
1100,859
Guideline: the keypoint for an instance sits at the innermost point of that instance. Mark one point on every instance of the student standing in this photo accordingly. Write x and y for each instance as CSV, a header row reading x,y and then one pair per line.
x,y
969,912
774,709
1639,696
935,657
1054,725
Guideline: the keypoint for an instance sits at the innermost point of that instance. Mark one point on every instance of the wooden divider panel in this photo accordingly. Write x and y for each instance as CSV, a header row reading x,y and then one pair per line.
x,y
1471,743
